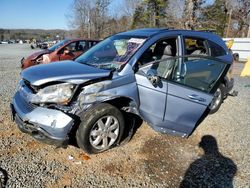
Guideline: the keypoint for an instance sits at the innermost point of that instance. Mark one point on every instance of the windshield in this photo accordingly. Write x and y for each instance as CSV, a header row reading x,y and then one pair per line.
x,y
58,45
111,53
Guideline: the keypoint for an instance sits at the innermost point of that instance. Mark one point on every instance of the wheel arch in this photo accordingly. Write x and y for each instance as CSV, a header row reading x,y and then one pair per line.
x,y
225,81
124,103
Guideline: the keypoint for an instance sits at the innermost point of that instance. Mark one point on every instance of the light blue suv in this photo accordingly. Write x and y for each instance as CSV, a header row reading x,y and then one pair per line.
x,y
167,77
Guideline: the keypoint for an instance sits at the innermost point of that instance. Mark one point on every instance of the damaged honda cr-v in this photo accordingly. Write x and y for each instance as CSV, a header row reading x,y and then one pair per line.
x,y
144,72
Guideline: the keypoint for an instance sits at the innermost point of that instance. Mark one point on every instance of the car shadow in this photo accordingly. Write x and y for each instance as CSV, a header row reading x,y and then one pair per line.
x,y
210,170
4,177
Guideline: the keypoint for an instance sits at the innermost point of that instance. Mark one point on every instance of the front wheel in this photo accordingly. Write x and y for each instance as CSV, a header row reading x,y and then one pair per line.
x,y
217,100
101,128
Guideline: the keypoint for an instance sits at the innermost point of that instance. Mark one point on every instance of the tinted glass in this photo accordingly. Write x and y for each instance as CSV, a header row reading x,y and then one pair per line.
x,y
194,46
216,50
81,46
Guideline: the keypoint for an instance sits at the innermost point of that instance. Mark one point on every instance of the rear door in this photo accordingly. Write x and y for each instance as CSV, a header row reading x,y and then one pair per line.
x,y
190,92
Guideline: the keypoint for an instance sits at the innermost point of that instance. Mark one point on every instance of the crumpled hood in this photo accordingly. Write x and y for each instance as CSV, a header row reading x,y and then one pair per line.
x,y
36,54
68,71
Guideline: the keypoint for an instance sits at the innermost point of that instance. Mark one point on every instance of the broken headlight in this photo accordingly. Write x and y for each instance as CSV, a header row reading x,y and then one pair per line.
x,y
59,93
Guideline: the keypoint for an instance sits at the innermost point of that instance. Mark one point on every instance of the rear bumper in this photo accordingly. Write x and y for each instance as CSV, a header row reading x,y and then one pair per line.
x,y
46,125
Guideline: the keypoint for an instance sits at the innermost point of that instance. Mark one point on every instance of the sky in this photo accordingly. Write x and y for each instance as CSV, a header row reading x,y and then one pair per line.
x,y
34,14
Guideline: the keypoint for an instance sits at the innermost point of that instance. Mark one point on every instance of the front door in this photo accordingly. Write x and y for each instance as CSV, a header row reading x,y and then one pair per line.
x,y
152,94
176,92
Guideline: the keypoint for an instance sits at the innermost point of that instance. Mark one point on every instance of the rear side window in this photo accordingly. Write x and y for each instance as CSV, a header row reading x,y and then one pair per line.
x,y
195,46
215,49
198,72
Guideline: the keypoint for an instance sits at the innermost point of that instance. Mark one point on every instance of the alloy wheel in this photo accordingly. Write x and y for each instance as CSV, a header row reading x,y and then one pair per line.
x,y
104,133
216,100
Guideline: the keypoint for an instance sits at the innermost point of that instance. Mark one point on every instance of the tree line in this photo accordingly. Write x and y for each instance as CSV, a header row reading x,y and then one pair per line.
x,y
38,34
101,18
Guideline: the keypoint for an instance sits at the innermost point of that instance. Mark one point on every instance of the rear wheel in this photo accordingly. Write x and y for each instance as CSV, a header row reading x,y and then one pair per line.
x,y
217,100
101,128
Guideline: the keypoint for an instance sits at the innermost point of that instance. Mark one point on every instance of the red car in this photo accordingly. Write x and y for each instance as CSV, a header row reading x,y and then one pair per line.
x,y
67,49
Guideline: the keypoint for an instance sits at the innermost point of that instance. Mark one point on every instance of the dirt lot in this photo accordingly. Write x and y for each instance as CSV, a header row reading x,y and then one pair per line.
x,y
150,159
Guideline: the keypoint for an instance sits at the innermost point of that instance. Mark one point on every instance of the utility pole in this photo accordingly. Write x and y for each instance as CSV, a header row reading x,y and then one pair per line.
x,y
89,25
248,34
229,23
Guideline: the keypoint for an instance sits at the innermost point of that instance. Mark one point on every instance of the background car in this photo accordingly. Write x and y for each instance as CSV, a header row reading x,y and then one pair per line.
x,y
67,49
11,41
44,45
3,42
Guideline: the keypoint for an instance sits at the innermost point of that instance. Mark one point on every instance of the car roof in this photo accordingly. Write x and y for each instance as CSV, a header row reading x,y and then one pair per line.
x,y
78,39
150,32
145,32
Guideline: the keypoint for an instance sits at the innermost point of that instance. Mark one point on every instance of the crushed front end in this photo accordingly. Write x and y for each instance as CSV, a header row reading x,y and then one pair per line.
x,y
44,124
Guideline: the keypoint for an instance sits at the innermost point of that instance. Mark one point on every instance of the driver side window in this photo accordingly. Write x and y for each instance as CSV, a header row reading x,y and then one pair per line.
x,y
71,47
162,68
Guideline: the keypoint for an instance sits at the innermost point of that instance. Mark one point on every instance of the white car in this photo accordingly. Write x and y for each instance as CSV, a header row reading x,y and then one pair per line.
x,y
3,42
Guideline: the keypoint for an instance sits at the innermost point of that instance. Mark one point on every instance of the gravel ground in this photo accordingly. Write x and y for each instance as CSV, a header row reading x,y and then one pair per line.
x,y
216,155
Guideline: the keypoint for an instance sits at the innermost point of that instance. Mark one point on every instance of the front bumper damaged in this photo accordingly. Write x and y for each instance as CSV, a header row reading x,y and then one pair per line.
x,y
47,125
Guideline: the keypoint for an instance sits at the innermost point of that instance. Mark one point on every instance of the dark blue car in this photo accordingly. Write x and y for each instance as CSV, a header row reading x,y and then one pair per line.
x,y
171,79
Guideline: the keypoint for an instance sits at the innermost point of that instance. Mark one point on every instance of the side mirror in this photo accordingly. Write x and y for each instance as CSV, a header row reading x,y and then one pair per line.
x,y
153,77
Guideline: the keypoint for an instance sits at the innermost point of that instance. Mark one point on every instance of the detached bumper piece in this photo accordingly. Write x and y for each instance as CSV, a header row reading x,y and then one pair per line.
x,y
46,125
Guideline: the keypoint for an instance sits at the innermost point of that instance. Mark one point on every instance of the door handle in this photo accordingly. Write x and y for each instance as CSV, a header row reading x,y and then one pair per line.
x,y
196,98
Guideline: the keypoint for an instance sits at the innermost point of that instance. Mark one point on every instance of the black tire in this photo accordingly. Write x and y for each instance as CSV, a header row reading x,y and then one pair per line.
x,y
216,103
90,122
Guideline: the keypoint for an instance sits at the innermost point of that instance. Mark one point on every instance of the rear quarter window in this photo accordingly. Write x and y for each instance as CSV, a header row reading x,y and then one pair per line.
x,y
195,46
215,49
